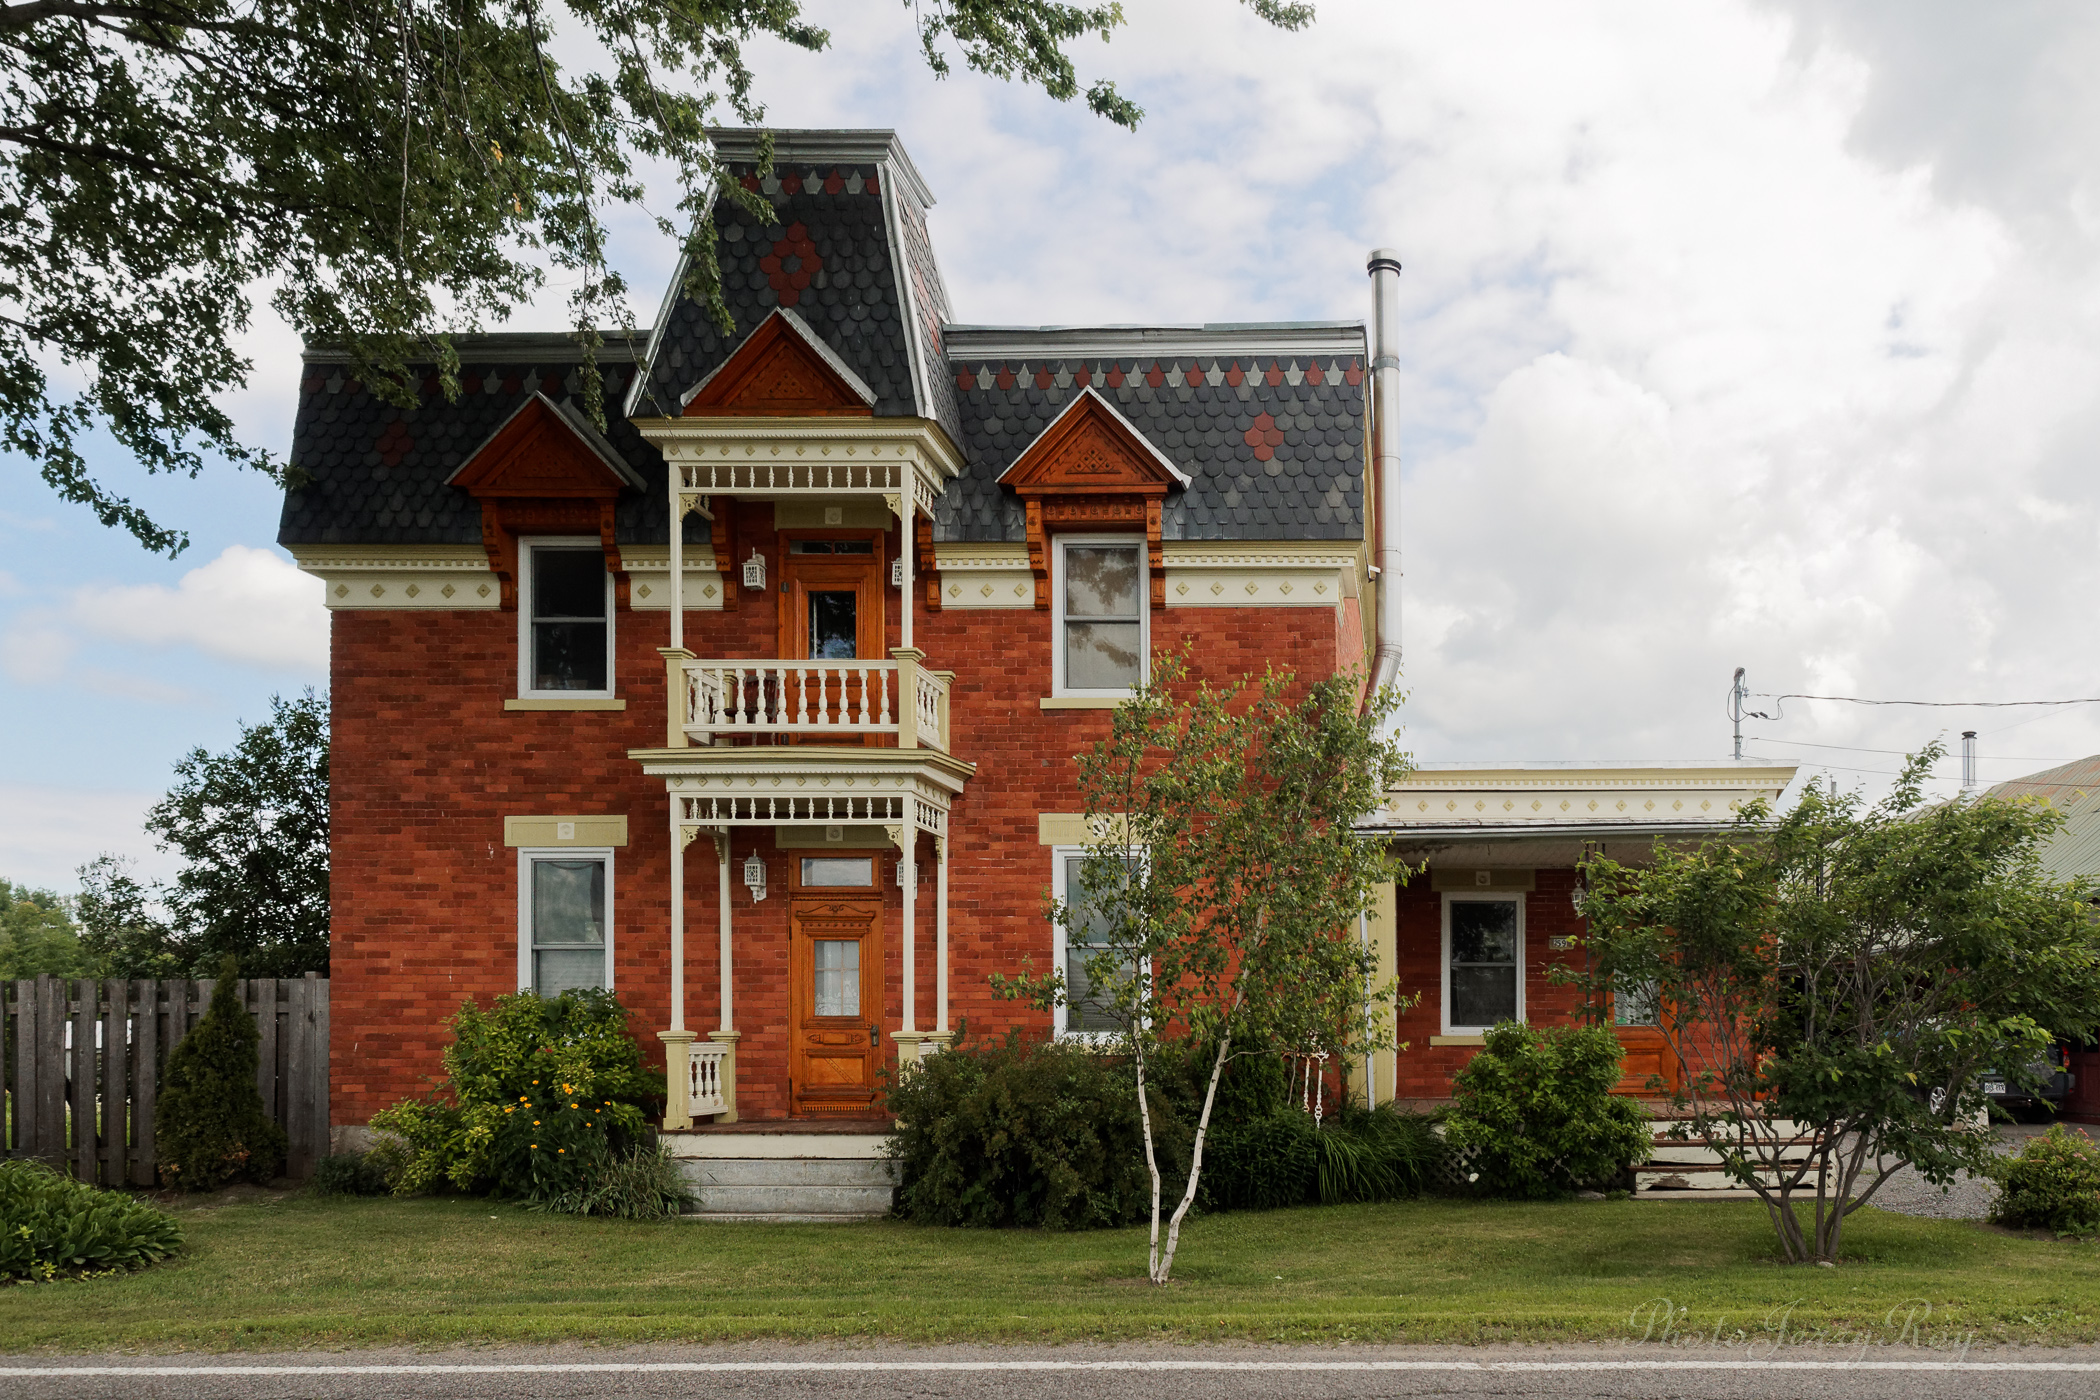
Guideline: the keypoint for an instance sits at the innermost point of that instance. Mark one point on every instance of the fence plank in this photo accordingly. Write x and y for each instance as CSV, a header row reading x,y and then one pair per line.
x,y
115,1085
298,1092
262,1001
82,1068
51,1070
323,1059
145,1076
22,1061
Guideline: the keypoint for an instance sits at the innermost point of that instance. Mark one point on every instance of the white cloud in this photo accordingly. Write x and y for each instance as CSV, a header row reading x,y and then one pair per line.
x,y
47,833
250,606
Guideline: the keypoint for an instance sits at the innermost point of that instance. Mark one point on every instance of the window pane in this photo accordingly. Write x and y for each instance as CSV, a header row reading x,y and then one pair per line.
x,y
568,901
1101,580
1481,996
1635,1005
1483,931
1102,656
838,976
568,656
558,970
568,583
832,633
856,871
1087,1007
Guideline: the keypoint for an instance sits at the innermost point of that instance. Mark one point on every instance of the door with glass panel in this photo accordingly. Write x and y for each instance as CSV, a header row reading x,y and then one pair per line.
x,y
1636,1015
831,610
835,1053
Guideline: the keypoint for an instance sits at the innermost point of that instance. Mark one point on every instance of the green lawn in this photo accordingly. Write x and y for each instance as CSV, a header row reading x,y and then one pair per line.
x,y
300,1271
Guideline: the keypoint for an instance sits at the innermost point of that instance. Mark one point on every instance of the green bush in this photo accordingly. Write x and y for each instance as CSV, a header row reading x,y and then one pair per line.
x,y
541,1099
2053,1184
1020,1131
643,1184
1535,1112
210,1127
351,1174
1270,1161
51,1225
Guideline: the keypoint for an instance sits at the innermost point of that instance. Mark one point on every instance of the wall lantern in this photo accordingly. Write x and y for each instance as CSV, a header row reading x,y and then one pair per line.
x,y
755,571
897,572
900,874
755,876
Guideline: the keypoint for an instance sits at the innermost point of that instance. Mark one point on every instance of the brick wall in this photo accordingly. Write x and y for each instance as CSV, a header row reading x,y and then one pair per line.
x,y
427,763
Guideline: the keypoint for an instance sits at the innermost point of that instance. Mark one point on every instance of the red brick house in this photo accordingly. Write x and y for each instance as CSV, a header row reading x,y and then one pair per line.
x,y
758,705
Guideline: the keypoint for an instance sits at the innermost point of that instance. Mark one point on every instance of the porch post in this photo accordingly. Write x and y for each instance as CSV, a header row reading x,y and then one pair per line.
x,y
677,1040
907,497
726,1036
907,840
940,942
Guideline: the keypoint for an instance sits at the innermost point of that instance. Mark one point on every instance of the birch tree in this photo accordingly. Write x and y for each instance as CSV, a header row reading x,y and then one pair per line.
x,y
1220,891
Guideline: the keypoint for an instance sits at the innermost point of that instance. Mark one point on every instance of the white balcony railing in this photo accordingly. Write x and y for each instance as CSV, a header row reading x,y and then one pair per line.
x,y
704,1085
820,699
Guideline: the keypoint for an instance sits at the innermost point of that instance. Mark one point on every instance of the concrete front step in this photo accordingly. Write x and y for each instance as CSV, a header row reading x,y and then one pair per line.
x,y
769,1174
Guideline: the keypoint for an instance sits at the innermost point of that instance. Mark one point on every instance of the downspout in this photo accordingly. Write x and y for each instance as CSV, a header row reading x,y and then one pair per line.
x,y
1384,268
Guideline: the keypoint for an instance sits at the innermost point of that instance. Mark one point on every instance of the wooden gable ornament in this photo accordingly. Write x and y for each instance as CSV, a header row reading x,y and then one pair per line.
x,y
545,471
782,370
1091,470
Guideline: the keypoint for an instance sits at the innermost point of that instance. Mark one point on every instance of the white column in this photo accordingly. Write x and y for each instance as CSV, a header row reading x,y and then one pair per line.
x,y
677,914
911,929
677,476
728,980
906,515
940,934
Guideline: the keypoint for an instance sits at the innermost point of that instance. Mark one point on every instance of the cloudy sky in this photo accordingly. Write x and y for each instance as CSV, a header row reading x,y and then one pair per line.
x,y
1736,333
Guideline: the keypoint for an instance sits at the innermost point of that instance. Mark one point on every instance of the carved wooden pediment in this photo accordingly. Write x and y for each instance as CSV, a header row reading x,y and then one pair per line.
x,y
782,370
1092,450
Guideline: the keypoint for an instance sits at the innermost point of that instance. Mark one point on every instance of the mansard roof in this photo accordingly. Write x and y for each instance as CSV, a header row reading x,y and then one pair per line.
x,y
376,474
845,247
1267,421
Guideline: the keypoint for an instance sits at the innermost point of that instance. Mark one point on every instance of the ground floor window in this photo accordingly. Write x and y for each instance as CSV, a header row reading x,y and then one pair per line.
x,y
1088,1009
564,920
1483,961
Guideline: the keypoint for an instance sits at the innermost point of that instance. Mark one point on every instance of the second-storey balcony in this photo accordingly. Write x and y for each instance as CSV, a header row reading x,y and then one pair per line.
x,y
901,702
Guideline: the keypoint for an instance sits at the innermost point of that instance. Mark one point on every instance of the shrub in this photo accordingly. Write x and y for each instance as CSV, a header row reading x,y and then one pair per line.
x,y
1535,1109
52,1225
542,1096
210,1125
644,1184
1271,1161
2053,1184
1020,1132
351,1174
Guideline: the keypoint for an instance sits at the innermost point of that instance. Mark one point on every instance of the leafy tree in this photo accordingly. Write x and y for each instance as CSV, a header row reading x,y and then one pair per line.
x,y
397,170
1837,980
117,925
210,1127
252,827
38,937
1223,884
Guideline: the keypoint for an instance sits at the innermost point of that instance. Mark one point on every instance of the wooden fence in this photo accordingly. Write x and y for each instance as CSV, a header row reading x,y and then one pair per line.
x,y
81,1064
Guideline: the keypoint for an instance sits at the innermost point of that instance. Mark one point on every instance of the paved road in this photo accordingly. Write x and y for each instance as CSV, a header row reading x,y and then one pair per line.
x,y
1119,1373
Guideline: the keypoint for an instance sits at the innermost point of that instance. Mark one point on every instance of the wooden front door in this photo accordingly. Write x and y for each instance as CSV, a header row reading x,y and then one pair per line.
x,y
1642,1044
834,999
832,587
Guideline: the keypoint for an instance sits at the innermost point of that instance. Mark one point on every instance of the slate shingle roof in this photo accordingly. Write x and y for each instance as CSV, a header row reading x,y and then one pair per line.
x,y
1274,442
376,474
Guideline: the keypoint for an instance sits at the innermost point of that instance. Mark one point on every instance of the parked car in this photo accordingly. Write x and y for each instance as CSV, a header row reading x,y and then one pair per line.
x,y
2048,1083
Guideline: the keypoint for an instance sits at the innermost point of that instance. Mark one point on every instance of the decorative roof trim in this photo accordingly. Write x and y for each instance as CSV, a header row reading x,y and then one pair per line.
x,y
504,347
1078,402
808,337
908,302
585,433
640,387
817,145
1078,342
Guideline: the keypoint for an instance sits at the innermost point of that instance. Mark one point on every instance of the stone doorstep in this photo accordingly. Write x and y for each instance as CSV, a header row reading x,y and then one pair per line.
x,y
868,1146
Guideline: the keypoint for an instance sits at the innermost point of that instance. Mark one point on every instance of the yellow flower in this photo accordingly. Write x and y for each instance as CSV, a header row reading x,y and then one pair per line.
x,y
535,1122
572,1105
561,1149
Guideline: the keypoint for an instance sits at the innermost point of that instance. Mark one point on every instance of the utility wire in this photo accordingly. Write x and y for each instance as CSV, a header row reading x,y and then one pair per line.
x,y
1938,704
1897,753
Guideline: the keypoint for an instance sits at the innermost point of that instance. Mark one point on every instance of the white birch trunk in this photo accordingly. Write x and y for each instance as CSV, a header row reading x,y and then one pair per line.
x,y
1163,1264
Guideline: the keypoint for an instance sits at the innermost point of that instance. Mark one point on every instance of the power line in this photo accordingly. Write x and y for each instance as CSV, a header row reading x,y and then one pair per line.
x,y
1938,704
1898,753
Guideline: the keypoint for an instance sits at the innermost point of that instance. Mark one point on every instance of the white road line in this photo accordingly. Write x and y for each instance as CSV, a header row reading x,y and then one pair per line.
x,y
908,1367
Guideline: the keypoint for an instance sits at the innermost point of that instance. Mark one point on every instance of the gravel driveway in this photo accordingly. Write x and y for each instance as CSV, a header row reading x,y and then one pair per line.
x,y
1967,1197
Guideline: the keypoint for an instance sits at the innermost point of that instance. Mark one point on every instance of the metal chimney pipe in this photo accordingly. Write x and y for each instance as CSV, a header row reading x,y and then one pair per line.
x,y
1384,267
1968,761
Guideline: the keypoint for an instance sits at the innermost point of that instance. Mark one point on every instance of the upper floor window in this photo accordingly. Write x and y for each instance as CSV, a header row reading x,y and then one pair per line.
x,y
565,619
1103,628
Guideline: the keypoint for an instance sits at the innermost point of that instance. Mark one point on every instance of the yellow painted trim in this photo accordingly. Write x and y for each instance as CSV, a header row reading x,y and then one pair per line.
x,y
1458,879
550,704
1458,1040
1081,702
547,831
1069,828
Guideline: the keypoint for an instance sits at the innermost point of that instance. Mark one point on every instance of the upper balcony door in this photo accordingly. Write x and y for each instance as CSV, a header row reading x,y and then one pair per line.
x,y
831,596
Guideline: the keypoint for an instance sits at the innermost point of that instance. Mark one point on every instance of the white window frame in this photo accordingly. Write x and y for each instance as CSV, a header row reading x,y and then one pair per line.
x,y
1444,961
526,856
1060,943
1057,612
526,549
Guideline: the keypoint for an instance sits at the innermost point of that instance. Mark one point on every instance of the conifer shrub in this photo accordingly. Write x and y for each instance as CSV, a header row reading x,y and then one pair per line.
x,y
2053,1184
210,1127
544,1100
52,1226
1535,1112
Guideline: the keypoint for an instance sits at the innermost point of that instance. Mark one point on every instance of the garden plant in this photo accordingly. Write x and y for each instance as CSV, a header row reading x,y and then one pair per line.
x,y
2053,1184
1534,1114
52,1226
211,1127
